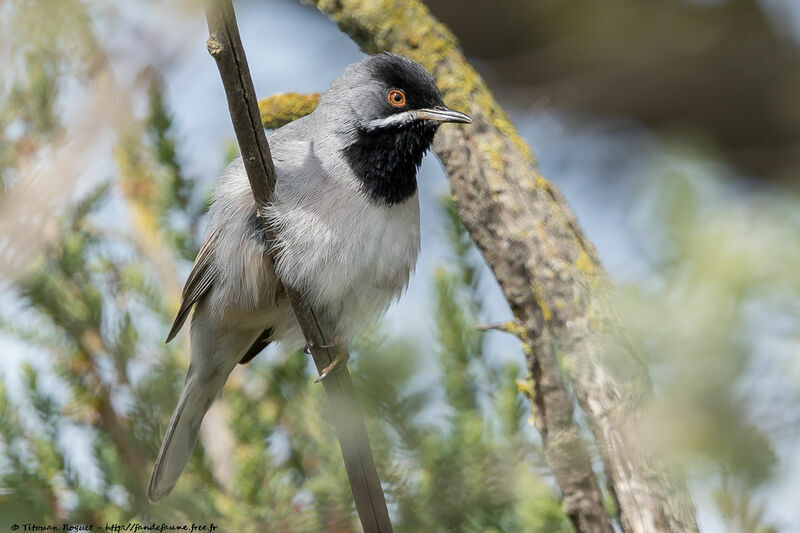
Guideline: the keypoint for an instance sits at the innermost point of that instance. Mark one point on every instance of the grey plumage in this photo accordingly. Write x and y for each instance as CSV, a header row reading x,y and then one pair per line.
x,y
347,222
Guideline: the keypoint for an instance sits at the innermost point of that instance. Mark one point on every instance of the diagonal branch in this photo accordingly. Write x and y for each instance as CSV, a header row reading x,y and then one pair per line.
x,y
225,46
549,274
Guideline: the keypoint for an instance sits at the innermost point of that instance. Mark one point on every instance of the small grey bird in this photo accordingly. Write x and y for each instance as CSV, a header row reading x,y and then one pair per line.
x,y
346,215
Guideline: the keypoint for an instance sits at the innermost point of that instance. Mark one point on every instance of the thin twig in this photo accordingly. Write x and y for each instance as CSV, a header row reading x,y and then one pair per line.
x,y
511,326
225,46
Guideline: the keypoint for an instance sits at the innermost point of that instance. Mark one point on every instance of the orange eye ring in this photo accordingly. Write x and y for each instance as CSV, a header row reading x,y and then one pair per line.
x,y
396,97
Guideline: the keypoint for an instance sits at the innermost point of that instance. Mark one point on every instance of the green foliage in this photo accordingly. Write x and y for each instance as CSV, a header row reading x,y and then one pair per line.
x,y
713,330
90,300
163,199
29,107
36,52
739,508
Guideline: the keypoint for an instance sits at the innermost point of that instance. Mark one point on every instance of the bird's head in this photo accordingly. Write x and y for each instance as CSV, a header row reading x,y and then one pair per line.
x,y
388,109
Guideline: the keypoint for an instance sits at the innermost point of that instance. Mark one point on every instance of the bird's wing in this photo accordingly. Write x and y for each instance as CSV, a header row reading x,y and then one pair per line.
x,y
202,276
258,346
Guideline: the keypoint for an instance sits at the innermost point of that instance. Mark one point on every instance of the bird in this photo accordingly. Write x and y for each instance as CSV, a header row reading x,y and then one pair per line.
x,y
345,224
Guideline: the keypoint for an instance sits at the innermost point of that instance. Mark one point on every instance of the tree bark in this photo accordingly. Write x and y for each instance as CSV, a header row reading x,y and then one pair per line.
x,y
550,275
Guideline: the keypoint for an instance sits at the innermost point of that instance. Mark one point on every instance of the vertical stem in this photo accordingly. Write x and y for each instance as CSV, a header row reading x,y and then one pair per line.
x,y
225,45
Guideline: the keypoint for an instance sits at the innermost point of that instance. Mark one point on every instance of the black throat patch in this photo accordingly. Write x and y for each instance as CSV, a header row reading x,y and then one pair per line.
x,y
386,160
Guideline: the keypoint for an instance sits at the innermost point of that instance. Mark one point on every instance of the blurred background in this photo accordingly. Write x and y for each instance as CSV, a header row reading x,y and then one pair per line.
x,y
672,127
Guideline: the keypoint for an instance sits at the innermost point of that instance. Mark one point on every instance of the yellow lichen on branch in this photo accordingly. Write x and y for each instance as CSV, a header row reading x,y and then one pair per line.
x,y
282,108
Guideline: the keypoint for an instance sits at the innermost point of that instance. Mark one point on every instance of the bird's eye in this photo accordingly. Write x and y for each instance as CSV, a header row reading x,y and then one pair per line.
x,y
397,98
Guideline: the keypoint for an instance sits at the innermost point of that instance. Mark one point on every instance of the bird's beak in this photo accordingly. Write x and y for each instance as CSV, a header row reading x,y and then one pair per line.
x,y
443,114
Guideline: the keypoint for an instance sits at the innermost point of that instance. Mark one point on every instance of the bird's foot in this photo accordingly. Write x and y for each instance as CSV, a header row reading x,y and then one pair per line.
x,y
337,342
339,361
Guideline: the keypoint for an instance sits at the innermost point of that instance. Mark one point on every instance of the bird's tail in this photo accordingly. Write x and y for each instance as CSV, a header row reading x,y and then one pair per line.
x,y
214,354
196,398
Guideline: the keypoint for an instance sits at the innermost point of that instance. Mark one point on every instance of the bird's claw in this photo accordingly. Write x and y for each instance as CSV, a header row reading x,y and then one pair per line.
x,y
340,361
337,342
